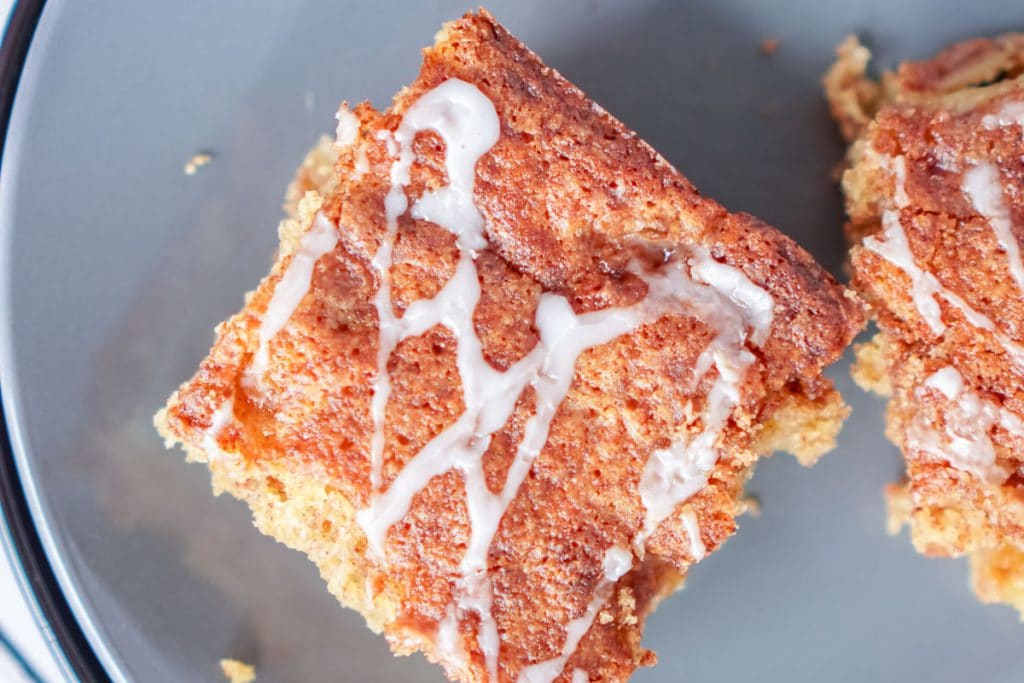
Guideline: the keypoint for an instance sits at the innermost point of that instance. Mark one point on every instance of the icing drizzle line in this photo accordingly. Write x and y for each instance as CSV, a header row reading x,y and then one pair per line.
x,y
221,418
1011,113
288,292
983,186
320,239
967,444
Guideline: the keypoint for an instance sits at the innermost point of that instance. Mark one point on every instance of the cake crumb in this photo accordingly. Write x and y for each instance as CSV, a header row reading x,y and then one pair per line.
x,y
197,162
769,46
238,672
852,96
899,507
750,504
997,576
869,369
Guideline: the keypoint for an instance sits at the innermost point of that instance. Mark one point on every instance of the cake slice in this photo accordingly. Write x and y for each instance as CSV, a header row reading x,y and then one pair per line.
x,y
510,371
935,195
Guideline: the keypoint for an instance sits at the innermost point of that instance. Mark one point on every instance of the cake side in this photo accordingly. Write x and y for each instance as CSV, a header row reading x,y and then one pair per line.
x,y
933,194
695,332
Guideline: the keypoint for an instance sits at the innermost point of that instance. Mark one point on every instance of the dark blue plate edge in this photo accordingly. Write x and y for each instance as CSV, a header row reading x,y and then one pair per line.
x,y
21,532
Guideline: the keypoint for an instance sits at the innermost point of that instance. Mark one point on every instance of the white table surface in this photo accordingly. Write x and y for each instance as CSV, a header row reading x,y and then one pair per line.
x,y
18,624
16,618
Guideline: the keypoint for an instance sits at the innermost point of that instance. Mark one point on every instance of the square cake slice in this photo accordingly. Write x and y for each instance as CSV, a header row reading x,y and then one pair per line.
x,y
935,196
510,371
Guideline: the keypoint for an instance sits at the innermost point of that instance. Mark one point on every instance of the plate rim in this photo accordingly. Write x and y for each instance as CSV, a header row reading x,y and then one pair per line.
x,y
20,536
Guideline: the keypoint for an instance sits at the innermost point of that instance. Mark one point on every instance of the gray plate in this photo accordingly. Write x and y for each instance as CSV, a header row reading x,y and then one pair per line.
x,y
118,265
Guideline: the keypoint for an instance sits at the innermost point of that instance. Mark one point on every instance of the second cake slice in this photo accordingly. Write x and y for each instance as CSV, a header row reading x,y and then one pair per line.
x,y
934,194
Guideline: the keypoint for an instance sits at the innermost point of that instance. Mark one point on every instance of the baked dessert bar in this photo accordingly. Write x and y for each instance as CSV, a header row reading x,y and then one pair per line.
x,y
510,371
935,196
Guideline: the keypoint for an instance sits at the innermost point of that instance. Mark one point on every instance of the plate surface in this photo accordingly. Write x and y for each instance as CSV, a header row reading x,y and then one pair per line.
x,y
118,265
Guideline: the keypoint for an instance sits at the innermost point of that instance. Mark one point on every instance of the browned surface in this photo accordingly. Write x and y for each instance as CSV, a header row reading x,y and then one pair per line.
x,y
963,65
565,192
930,113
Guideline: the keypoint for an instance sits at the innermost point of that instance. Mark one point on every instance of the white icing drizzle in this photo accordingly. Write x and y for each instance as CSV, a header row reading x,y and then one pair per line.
x,y
348,128
717,294
946,381
362,164
983,186
617,562
967,443
899,169
289,291
697,547
897,166
1011,114
757,305
467,122
221,418
674,474
925,287
449,642
320,239
580,676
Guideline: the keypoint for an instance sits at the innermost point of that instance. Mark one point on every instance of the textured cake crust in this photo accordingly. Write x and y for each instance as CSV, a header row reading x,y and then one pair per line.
x,y
569,196
922,142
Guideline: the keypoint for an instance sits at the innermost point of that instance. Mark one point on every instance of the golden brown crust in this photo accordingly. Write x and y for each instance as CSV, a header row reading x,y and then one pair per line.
x,y
931,119
316,174
851,95
960,66
805,427
997,575
567,192
870,371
